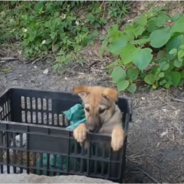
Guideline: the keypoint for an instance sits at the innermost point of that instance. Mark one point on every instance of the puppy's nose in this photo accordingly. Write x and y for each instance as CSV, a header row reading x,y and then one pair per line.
x,y
91,128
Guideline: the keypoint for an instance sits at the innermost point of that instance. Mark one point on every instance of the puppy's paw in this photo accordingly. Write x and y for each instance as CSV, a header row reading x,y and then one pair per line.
x,y
80,133
117,138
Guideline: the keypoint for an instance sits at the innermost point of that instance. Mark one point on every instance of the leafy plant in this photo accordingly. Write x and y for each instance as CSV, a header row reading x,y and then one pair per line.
x,y
60,28
150,49
117,9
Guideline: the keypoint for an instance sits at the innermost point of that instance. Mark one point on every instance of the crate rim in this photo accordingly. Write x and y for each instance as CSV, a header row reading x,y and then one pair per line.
x,y
67,92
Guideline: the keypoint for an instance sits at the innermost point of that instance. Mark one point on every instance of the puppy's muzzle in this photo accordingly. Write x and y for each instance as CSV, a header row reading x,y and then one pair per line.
x,y
93,124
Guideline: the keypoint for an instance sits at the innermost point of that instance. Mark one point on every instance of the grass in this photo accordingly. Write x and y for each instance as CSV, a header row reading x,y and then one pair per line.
x,y
60,29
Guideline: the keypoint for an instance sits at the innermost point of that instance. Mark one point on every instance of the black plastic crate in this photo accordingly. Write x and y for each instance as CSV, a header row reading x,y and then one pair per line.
x,y
34,138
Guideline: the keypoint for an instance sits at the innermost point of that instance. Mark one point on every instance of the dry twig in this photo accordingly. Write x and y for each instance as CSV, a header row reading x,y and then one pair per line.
x,y
176,99
144,172
7,59
167,103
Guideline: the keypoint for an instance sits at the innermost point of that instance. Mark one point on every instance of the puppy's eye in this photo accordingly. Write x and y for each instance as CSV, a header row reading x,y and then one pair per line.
x,y
87,109
101,111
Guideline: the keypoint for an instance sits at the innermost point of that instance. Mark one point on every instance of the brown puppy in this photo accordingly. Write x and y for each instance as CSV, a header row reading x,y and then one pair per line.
x,y
102,114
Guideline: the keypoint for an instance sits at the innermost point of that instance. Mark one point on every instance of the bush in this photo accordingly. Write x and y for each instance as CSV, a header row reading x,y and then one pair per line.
x,y
61,28
150,49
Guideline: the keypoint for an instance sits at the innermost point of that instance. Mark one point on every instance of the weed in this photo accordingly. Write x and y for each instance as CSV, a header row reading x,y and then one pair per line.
x,y
149,49
117,10
60,28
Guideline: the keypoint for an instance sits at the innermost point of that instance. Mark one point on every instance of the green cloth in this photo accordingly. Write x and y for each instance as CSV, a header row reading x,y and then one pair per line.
x,y
76,116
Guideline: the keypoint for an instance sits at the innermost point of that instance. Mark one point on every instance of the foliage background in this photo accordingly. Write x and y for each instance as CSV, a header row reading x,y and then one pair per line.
x,y
150,49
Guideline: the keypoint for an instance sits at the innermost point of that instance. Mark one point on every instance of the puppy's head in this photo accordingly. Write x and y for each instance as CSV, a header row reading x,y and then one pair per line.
x,y
99,103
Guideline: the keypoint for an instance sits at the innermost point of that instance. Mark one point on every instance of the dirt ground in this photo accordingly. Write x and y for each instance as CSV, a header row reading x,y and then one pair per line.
x,y
155,150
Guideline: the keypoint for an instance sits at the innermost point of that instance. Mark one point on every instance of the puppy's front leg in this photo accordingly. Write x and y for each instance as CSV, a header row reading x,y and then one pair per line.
x,y
117,138
80,133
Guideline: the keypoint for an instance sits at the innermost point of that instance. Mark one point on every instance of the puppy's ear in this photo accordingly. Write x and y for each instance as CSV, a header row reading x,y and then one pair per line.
x,y
110,93
82,91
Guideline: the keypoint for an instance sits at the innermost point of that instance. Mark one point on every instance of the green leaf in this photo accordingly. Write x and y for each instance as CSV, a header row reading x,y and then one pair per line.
x,y
182,74
132,74
176,17
160,37
150,79
117,46
113,32
140,41
173,51
164,65
122,85
103,21
138,30
113,64
178,27
38,5
152,25
142,58
161,19
55,47
181,83
156,76
174,42
103,47
167,85
177,63
129,30
118,74
161,75
48,41
126,55
163,81
141,20
182,47
180,54
90,18
132,88
175,78
161,54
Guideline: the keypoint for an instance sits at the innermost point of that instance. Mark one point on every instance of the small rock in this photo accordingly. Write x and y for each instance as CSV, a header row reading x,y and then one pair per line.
x,y
103,32
143,98
164,133
165,110
108,17
35,67
177,112
46,71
